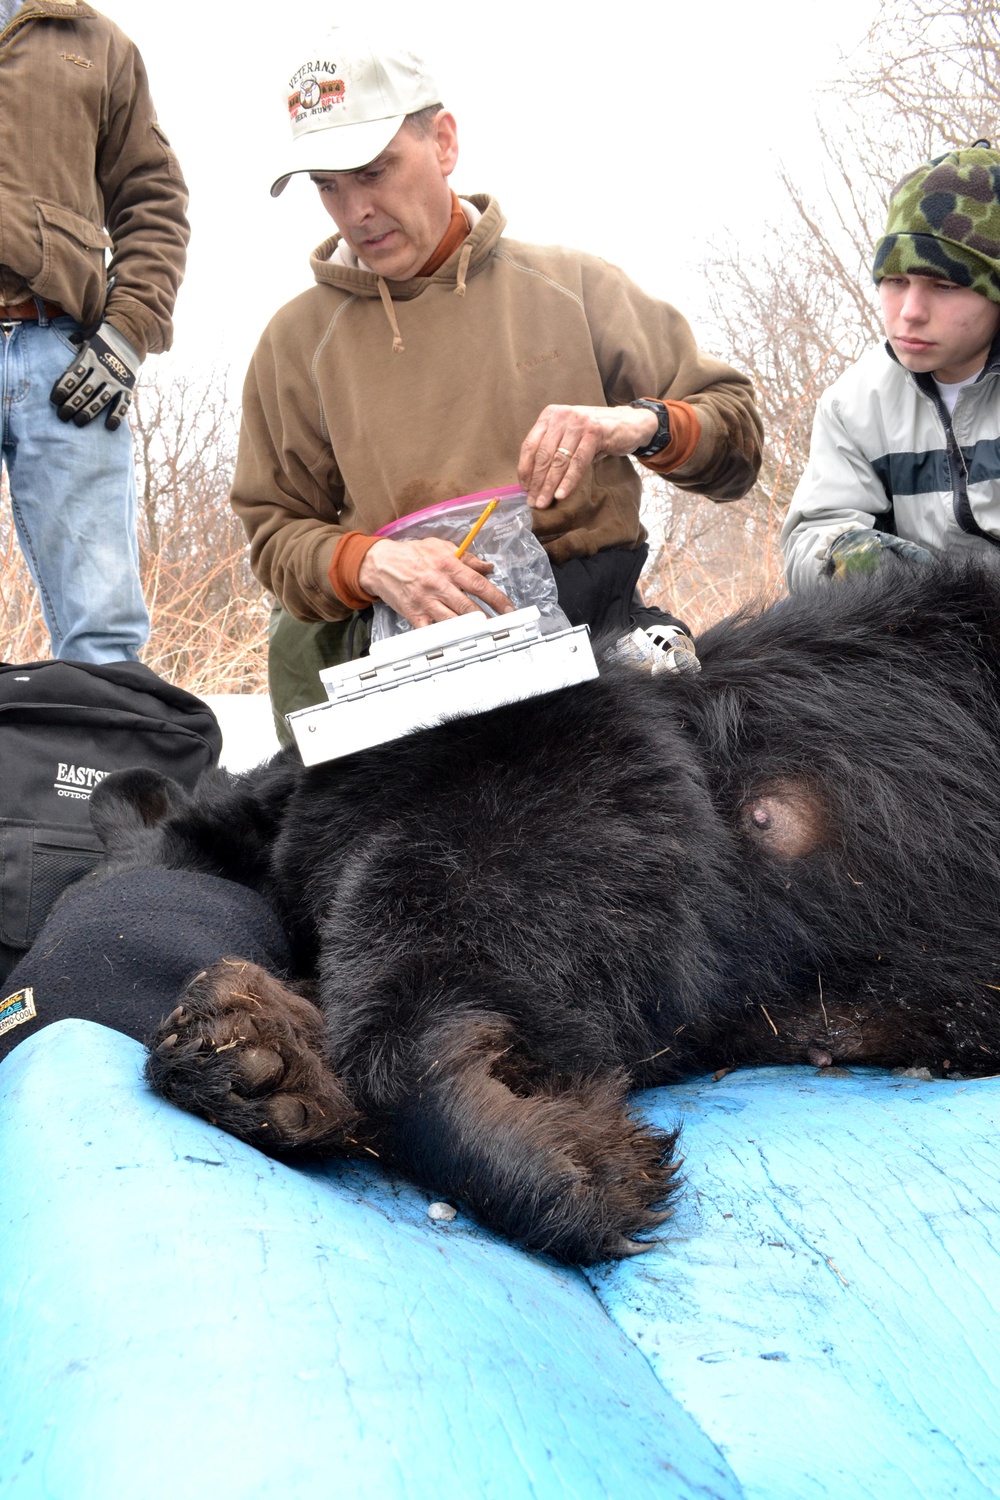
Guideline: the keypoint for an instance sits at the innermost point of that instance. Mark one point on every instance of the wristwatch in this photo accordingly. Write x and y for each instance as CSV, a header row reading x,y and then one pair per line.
x,y
661,437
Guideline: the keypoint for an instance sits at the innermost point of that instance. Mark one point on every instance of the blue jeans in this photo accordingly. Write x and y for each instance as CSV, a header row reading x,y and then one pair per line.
x,y
74,501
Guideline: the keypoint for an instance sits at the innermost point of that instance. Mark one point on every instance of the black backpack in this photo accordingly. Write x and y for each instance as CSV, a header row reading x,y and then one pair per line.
x,y
63,726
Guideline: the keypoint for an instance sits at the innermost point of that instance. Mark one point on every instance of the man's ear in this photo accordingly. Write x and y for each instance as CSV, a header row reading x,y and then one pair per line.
x,y
444,133
126,802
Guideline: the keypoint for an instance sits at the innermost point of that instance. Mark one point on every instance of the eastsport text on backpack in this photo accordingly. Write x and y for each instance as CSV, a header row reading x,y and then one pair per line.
x,y
63,727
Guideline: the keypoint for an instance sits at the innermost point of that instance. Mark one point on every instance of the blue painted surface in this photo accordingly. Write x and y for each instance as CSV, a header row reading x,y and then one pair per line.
x,y
828,1302
181,1317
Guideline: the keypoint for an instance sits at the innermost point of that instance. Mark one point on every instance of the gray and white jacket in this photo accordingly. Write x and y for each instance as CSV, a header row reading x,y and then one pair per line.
x,y
886,454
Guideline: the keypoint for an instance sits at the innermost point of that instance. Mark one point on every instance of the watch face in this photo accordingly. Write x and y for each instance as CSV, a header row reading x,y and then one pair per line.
x,y
661,437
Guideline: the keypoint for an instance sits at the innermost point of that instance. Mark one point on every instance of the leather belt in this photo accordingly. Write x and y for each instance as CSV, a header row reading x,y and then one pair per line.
x,y
25,312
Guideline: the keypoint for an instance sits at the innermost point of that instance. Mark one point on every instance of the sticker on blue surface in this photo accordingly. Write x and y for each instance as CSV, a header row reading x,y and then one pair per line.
x,y
16,1009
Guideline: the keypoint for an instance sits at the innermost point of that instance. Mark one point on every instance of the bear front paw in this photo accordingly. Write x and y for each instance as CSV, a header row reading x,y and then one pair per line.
x,y
244,1051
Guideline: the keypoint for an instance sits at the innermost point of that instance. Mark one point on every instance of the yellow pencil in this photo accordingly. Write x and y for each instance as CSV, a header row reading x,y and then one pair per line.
x,y
473,531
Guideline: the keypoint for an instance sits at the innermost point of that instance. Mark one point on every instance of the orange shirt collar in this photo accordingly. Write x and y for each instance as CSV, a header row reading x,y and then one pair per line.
x,y
458,229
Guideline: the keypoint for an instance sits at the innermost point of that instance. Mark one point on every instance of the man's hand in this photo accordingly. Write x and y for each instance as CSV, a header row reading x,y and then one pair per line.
x,y
100,379
860,552
424,581
566,440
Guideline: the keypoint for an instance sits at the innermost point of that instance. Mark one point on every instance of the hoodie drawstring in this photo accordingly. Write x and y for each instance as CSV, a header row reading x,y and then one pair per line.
x,y
390,312
463,266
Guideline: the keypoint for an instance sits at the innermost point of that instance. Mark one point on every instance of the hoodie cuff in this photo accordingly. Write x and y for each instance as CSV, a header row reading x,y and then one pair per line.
x,y
349,554
685,431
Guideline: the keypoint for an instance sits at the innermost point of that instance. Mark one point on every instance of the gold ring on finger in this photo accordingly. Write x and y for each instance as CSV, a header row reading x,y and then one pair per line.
x,y
565,452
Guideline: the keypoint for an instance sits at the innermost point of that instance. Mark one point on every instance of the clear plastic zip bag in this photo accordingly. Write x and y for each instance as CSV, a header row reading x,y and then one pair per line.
x,y
521,569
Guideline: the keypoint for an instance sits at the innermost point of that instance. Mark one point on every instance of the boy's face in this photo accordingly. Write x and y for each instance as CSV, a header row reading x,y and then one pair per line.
x,y
936,326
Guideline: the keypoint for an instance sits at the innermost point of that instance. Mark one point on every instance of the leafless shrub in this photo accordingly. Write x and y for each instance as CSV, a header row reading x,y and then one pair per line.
x,y
707,560
795,310
23,636
208,612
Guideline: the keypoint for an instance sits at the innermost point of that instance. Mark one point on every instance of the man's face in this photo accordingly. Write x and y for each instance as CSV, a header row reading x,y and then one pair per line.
x,y
394,211
937,326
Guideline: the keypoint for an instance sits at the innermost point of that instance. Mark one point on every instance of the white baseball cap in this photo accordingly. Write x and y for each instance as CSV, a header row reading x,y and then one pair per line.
x,y
346,99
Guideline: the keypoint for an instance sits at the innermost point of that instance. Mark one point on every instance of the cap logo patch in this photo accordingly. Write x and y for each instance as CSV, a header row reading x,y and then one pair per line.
x,y
315,89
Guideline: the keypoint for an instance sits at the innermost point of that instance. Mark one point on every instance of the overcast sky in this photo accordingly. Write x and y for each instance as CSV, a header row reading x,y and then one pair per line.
x,y
641,134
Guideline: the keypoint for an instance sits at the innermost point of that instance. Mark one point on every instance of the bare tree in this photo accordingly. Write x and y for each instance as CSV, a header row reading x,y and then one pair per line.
x,y
935,66
796,311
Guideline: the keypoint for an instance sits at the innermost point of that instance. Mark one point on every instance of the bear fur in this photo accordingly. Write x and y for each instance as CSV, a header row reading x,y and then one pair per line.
x,y
511,920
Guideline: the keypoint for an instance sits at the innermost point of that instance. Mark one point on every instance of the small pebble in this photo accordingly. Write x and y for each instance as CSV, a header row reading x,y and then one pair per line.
x,y
924,1074
443,1213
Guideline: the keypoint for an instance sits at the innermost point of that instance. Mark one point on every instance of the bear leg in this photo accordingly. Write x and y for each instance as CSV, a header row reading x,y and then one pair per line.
x,y
559,1166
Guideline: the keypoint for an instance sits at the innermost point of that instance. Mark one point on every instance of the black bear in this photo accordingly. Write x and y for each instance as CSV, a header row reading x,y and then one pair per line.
x,y
511,920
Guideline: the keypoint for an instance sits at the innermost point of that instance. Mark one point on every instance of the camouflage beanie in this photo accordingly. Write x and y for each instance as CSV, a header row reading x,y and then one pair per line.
x,y
944,220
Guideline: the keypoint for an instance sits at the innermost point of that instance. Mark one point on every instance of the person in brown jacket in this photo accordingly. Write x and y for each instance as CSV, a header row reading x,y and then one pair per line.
x,y
434,357
84,169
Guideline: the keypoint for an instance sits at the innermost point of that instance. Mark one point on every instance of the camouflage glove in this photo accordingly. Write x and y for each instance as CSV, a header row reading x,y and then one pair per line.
x,y
101,379
858,553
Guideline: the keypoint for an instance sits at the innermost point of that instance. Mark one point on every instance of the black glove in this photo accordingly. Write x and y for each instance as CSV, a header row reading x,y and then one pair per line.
x,y
100,380
860,552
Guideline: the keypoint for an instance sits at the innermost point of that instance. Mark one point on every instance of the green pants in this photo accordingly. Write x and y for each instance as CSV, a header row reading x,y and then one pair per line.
x,y
297,653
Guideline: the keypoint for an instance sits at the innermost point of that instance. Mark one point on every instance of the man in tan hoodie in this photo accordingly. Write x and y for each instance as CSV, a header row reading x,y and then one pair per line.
x,y
84,169
433,358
